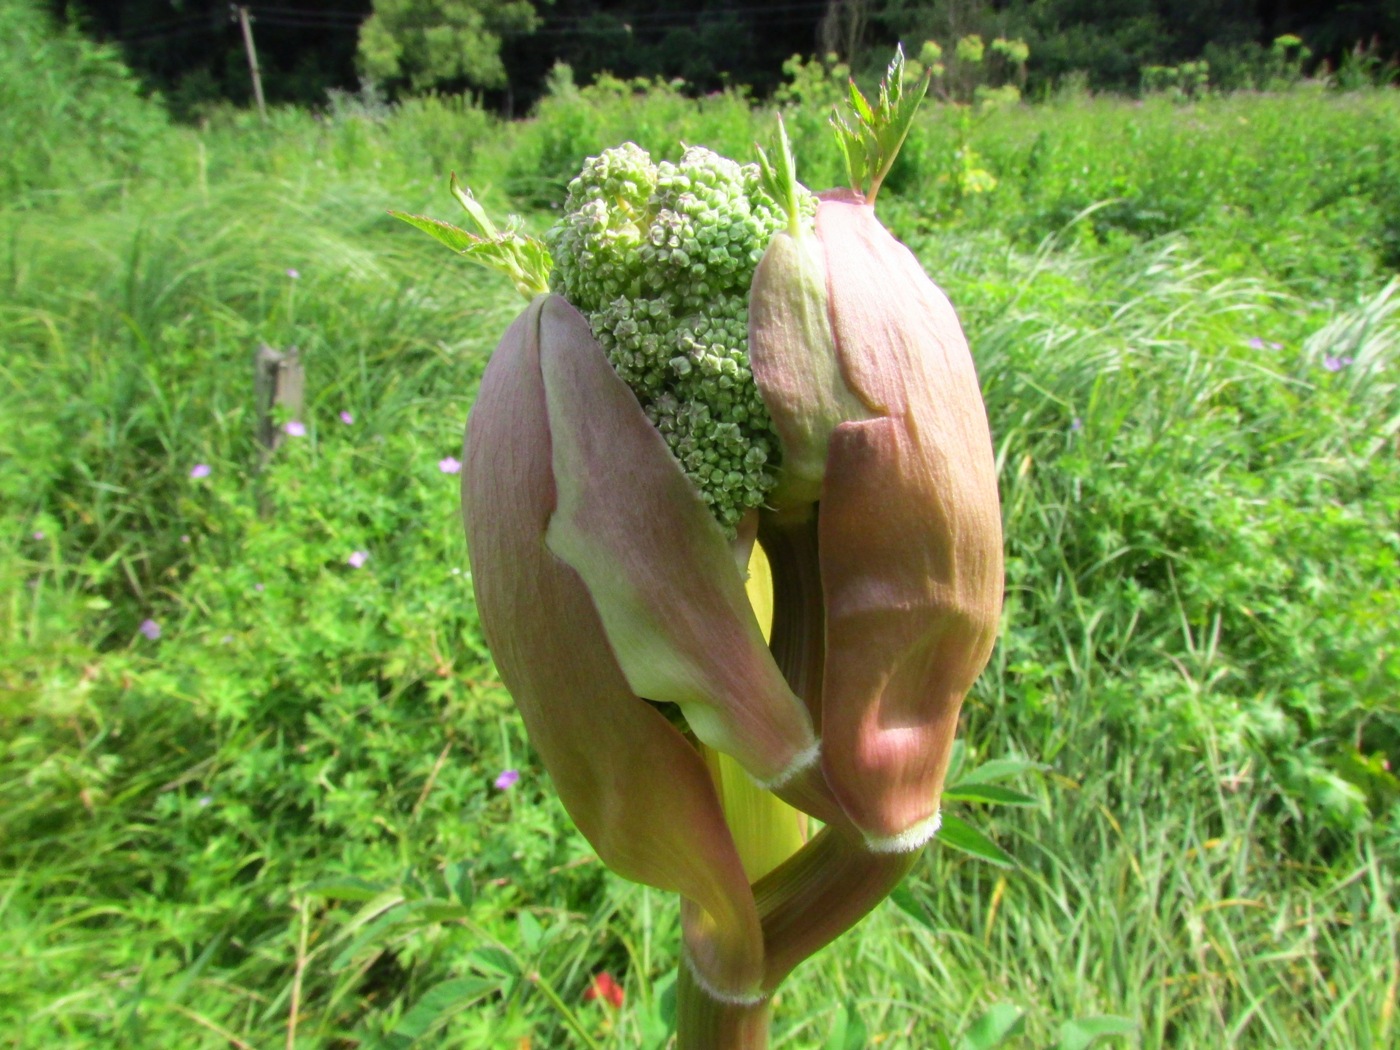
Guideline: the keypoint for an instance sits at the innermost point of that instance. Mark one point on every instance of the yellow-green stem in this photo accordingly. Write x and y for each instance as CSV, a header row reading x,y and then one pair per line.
x,y
766,830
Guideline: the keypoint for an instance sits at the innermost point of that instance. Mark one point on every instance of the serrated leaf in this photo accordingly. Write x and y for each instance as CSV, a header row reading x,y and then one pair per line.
x,y
439,1003
494,960
779,179
525,260
993,1028
1083,1032
473,208
459,240
991,794
853,149
960,835
861,105
874,141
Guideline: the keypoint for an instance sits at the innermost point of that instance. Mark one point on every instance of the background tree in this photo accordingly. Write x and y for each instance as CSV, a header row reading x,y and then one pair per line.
x,y
442,43
191,52
842,30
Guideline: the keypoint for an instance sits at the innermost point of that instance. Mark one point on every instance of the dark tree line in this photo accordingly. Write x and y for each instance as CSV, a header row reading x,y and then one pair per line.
x,y
191,50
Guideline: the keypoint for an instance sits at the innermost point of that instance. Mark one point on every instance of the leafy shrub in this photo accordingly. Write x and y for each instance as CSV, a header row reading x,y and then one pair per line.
x,y
1249,66
573,123
1187,81
70,112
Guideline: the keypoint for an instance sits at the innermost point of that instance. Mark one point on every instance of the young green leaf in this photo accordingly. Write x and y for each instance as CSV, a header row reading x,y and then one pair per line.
x,y
437,1005
990,794
872,140
961,835
524,259
780,179
998,769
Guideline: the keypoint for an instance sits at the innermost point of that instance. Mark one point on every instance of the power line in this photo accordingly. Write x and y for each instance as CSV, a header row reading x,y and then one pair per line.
x,y
647,21
172,34
296,23
156,30
636,24
306,14
681,14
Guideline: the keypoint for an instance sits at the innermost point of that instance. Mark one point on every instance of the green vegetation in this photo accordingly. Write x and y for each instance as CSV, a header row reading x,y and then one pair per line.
x,y
250,731
428,43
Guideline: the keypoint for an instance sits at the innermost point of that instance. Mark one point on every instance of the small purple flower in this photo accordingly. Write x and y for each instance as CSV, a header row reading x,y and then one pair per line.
x,y
296,428
150,629
185,538
200,470
357,559
38,534
293,274
346,418
204,800
258,587
1275,346
1256,343
507,780
1335,364
1076,423
450,465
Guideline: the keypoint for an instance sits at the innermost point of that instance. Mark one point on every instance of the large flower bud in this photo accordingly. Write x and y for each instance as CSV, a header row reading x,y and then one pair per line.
x,y
602,577
867,376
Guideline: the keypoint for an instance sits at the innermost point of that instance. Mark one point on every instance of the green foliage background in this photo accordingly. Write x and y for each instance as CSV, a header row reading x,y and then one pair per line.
x,y
278,820
426,43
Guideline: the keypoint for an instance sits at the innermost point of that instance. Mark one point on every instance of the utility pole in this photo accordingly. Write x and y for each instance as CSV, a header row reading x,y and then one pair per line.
x,y
241,13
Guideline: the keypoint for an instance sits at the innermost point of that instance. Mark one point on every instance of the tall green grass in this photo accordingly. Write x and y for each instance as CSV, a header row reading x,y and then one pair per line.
x,y
276,823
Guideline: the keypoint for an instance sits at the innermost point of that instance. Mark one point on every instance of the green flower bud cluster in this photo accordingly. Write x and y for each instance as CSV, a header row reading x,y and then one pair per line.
x,y
659,258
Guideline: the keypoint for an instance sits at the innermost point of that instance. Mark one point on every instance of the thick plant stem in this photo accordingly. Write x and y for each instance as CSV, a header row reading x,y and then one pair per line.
x,y
830,885
705,1023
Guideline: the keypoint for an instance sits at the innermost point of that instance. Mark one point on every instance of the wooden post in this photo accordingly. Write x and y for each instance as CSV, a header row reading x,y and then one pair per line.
x,y
279,383
242,14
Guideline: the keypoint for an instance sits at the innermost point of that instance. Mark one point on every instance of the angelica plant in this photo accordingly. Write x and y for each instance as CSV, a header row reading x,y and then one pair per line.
x,y
659,258
733,521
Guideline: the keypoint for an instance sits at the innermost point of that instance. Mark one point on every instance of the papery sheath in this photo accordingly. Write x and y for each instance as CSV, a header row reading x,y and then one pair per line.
x,y
909,534
870,370
634,786
657,564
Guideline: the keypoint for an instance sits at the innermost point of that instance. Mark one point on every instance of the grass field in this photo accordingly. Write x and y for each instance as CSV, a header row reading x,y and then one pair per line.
x,y
247,787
